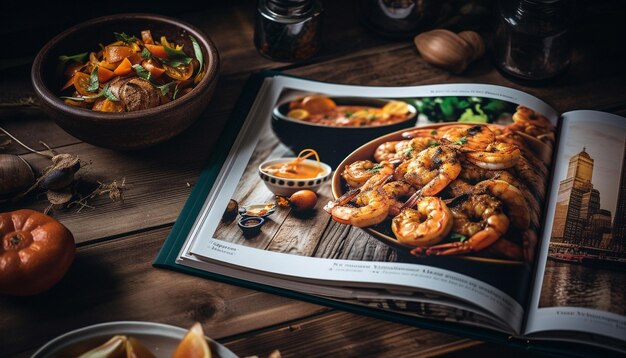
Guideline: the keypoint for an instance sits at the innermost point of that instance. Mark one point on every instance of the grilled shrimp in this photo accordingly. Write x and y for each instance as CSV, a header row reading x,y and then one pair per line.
x,y
513,200
426,224
432,169
480,218
359,172
474,138
396,191
497,155
373,210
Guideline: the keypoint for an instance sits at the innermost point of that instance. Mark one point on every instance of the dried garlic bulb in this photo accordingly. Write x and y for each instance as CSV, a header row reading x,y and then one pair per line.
x,y
448,50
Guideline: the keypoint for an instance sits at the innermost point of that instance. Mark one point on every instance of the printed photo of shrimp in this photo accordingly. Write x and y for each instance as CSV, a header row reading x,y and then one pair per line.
x,y
462,196
450,189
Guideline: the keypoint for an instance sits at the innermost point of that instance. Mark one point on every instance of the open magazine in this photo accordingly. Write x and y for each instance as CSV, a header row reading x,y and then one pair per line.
x,y
471,208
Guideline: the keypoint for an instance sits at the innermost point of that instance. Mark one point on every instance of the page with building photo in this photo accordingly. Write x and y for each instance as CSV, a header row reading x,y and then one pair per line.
x,y
581,283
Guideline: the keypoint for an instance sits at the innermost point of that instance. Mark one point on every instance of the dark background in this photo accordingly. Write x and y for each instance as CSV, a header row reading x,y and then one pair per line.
x,y
26,26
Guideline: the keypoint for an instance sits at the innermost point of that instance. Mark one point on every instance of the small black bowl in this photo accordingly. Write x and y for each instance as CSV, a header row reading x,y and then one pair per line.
x,y
332,143
251,226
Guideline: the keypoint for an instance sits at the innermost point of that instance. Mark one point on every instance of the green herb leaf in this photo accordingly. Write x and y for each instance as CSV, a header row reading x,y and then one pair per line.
x,y
108,94
348,114
145,54
461,141
125,38
376,168
455,236
166,87
175,92
433,132
142,72
174,53
470,116
198,52
432,143
80,58
94,84
176,62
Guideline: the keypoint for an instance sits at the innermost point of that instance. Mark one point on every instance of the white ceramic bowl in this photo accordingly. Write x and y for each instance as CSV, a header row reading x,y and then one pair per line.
x,y
160,339
285,186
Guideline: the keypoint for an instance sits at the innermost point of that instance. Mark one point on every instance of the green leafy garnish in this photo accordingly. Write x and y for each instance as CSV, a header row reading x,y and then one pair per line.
x,y
348,114
376,168
433,132
461,141
142,72
175,92
470,116
93,80
455,236
80,58
175,57
145,54
433,143
176,62
166,87
124,38
106,93
198,52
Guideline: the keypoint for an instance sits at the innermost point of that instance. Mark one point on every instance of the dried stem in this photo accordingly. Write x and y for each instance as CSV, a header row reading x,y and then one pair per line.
x,y
24,145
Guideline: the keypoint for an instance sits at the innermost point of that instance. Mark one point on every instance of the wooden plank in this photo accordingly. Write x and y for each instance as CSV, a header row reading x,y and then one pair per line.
x,y
115,281
340,334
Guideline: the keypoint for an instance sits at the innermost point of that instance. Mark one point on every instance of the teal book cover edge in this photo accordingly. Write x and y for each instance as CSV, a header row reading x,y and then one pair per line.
x,y
168,254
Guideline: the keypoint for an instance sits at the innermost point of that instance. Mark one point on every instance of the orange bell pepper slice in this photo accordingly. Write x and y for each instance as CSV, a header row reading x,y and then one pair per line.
x,y
114,54
157,51
135,58
104,74
124,68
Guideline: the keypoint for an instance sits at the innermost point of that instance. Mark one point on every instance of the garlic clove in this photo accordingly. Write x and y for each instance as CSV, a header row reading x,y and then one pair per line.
x,y
444,48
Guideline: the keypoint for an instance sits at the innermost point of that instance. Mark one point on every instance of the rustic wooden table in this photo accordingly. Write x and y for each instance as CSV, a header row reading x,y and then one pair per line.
x,y
112,277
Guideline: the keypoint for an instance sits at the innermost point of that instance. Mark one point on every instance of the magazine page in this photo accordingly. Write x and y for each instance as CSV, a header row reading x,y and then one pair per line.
x,y
582,261
347,238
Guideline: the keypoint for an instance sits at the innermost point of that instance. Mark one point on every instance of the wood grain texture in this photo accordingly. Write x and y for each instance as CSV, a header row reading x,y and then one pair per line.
x,y
112,277
350,336
115,281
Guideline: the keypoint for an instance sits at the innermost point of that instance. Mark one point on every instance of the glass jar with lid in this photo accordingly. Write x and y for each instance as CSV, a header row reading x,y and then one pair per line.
x,y
532,39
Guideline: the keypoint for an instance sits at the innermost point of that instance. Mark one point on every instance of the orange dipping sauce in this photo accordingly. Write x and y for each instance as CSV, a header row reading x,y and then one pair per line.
x,y
295,169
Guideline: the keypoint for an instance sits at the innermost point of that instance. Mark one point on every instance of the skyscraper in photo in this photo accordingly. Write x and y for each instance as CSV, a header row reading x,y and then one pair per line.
x,y
619,223
568,223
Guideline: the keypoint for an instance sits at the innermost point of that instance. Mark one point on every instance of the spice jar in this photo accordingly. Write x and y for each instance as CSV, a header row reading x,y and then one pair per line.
x,y
288,30
532,39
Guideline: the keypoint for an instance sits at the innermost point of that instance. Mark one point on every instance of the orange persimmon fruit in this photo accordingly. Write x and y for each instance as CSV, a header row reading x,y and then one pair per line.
x,y
37,252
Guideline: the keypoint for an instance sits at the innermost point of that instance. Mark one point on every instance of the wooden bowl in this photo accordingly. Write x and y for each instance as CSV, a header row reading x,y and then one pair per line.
x,y
330,142
128,130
